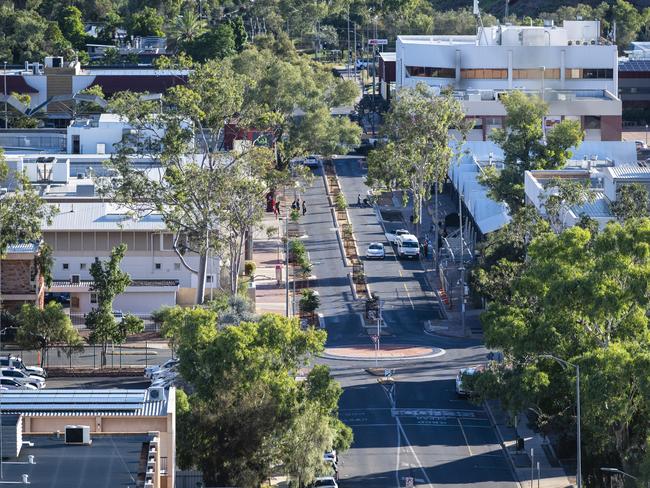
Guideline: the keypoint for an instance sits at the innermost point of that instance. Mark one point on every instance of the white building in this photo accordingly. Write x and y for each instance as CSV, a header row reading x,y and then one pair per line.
x,y
574,70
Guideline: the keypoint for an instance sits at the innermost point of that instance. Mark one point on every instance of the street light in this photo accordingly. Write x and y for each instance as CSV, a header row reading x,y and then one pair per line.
x,y
578,434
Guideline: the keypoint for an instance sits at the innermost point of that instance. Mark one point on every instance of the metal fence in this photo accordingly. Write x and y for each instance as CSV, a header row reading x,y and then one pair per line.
x,y
127,356
79,322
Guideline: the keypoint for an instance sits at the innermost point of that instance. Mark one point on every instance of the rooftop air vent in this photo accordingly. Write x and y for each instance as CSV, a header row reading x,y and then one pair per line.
x,y
77,434
157,394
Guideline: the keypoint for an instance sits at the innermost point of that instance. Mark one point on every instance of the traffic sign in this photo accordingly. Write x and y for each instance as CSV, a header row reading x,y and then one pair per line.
x,y
408,482
374,338
377,42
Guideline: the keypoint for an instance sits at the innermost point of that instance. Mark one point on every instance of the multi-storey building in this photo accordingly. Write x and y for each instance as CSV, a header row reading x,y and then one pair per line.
x,y
571,67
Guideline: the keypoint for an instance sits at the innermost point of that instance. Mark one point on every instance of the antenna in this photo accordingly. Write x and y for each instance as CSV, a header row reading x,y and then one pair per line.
x,y
477,13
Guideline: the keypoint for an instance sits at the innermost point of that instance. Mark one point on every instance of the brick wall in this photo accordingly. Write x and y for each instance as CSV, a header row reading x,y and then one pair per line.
x,y
16,275
611,127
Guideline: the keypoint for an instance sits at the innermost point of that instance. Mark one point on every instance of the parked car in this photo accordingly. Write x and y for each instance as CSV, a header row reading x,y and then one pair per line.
x,y
330,457
462,389
14,362
149,370
311,161
393,235
12,384
165,381
375,251
408,246
164,373
20,377
325,481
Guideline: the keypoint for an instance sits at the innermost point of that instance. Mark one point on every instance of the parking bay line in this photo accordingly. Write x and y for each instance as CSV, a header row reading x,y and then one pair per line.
x,y
464,436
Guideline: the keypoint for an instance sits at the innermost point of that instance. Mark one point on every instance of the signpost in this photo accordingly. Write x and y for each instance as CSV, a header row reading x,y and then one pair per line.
x,y
377,42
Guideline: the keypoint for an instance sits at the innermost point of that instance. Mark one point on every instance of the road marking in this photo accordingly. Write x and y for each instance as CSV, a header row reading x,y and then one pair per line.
x,y
408,296
415,456
464,436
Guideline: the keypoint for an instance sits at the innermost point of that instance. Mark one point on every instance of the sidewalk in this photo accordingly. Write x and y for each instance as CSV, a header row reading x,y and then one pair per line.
x,y
550,474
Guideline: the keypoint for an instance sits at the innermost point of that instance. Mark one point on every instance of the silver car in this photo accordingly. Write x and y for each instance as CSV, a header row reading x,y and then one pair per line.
x,y
375,251
20,377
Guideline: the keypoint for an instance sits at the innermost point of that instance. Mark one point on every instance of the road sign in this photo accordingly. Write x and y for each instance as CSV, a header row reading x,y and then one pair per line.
x,y
408,482
377,42
374,338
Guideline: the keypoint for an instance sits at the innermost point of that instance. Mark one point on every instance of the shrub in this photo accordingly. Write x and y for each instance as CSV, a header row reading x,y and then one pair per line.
x,y
340,202
309,302
249,268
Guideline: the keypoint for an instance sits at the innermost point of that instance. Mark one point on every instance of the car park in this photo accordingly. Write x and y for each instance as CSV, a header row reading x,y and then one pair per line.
x,y
22,378
149,370
375,251
14,362
408,246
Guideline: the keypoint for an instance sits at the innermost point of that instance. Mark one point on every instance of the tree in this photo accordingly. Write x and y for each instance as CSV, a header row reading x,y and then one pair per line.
x,y
309,302
187,27
108,282
40,328
561,195
239,30
217,43
421,128
22,211
631,202
527,147
628,22
72,27
248,411
582,298
146,22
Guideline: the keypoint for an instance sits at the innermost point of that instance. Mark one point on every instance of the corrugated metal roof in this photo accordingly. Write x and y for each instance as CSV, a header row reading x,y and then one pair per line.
x,y
23,248
598,208
628,172
77,403
89,216
634,65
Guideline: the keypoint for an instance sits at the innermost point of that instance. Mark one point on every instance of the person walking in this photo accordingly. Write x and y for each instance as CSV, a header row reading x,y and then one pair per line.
x,y
359,200
426,248
277,208
304,208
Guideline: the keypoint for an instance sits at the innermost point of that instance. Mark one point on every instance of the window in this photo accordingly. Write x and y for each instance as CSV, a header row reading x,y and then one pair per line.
x,y
592,122
429,72
158,266
484,74
82,266
177,266
93,298
589,74
536,74
66,266
208,278
167,243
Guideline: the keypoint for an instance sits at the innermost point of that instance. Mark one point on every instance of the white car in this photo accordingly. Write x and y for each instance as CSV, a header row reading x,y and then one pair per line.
x,y
330,457
326,481
311,161
164,373
164,382
461,388
150,370
22,378
375,251
12,384
14,362
392,236
408,246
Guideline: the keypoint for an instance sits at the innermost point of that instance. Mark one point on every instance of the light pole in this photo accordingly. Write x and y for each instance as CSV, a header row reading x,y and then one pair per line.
x,y
619,471
578,433
5,92
646,126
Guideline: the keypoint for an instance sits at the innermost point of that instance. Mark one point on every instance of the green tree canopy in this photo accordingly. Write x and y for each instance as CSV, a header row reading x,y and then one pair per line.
x,y
146,22
72,27
631,202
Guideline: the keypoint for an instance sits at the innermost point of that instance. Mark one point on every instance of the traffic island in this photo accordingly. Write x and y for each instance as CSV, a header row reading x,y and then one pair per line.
x,y
387,352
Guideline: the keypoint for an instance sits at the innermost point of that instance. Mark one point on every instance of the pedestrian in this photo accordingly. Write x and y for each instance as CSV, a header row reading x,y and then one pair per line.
x,y
426,248
359,200
304,208
297,203
274,207
277,208
412,218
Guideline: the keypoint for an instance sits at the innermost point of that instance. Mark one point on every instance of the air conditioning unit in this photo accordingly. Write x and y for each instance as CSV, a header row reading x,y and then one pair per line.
x,y
157,394
75,279
77,434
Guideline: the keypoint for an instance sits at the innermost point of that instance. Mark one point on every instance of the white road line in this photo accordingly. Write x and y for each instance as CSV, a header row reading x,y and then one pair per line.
x,y
464,436
408,296
417,460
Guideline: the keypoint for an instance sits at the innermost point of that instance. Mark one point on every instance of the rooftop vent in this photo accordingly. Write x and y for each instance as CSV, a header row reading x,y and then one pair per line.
x,y
77,434
157,394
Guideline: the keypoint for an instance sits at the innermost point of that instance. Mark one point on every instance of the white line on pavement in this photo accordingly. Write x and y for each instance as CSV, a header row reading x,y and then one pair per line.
x,y
464,436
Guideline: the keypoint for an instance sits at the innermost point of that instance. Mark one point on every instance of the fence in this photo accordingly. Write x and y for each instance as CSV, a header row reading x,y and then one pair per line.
x,y
79,322
127,356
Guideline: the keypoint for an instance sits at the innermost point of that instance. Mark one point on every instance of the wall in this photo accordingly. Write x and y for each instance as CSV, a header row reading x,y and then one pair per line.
x,y
16,276
611,127
89,137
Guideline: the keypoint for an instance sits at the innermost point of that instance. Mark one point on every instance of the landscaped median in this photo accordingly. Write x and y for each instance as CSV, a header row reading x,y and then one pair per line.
x,y
344,232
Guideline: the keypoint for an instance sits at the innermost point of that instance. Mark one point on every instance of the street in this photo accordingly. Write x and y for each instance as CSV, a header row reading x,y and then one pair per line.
x,y
415,426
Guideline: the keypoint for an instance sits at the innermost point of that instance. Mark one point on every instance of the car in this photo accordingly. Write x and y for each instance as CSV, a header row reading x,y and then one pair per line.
x,y
640,144
12,384
462,389
22,378
375,251
311,161
392,236
325,481
149,370
330,457
164,373
408,246
14,362
164,382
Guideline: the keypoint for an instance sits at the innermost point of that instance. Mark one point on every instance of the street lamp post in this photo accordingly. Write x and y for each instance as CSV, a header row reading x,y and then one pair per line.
x,y
5,93
578,433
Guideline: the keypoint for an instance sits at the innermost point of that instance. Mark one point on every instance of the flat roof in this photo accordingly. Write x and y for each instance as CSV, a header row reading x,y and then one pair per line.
x,y
100,216
110,461
387,56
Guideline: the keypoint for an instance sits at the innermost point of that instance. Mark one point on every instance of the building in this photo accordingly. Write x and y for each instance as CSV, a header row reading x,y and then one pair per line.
x,y
88,227
20,279
132,434
634,83
574,70
386,74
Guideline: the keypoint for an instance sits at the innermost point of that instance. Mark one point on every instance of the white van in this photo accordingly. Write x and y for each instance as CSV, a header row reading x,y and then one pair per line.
x,y
408,246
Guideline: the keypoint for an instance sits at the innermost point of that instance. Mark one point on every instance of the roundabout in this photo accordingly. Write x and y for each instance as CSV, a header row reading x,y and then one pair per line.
x,y
387,352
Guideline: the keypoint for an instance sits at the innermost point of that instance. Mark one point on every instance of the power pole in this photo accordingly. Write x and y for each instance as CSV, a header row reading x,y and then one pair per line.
x,y
349,52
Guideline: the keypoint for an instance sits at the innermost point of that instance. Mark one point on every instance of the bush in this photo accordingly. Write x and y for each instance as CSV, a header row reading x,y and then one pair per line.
x,y
340,202
294,215
309,301
249,268
297,251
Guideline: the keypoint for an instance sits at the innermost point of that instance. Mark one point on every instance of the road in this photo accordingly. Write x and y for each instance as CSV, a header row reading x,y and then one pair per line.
x,y
418,427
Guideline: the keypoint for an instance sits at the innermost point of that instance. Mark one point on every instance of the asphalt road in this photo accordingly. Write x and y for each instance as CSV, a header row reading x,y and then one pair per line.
x,y
418,427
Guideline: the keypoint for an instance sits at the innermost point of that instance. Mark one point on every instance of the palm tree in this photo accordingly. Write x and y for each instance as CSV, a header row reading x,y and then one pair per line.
x,y
188,26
